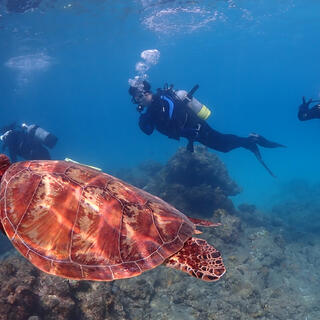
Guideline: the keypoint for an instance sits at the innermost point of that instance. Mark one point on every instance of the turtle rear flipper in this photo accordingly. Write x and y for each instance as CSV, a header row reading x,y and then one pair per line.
x,y
198,259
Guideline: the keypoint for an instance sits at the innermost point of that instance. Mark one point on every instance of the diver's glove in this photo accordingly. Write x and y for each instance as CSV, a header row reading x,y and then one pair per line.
x,y
5,135
191,133
304,101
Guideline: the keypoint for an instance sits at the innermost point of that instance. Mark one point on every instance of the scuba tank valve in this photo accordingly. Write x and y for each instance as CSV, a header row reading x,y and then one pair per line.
x,y
192,91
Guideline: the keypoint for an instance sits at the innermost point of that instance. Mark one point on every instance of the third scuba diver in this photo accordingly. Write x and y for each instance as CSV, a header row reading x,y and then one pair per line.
x,y
178,114
305,113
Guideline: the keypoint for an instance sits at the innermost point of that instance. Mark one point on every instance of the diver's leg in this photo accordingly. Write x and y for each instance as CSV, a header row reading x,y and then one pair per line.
x,y
220,141
227,142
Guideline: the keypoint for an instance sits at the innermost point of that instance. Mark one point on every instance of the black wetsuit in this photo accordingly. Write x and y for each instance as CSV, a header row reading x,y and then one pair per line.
x,y
21,144
175,119
305,113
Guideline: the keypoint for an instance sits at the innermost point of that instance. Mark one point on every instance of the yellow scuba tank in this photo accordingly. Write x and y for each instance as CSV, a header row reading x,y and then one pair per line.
x,y
195,105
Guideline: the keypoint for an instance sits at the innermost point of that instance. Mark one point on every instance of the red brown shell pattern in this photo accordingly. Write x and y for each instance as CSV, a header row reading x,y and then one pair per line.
x,y
78,223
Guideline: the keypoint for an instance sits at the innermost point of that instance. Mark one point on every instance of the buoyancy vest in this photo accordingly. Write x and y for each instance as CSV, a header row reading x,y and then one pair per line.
x,y
172,96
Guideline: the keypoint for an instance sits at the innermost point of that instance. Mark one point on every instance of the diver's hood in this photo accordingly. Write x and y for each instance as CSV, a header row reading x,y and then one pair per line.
x,y
143,88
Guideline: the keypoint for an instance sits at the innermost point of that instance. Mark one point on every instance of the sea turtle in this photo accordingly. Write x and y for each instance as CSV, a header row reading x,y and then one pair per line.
x,y
76,222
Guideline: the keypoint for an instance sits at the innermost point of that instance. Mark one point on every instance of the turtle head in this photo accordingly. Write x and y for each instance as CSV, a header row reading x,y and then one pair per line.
x,y
4,164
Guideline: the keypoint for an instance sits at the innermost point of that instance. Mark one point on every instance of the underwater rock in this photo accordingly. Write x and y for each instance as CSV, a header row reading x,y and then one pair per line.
x,y
245,207
249,214
95,300
27,293
298,207
135,294
195,183
198,168
55,297
230,226
17,299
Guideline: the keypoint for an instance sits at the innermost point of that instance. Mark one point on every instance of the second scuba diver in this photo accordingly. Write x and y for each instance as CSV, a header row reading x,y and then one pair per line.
x,y
29,142
178,114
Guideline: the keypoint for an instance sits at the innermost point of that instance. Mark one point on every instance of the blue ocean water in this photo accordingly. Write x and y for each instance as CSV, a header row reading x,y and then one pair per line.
x,y
253,60
65,65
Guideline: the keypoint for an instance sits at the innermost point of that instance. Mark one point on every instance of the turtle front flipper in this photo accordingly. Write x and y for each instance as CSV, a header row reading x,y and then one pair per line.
x,y
199,259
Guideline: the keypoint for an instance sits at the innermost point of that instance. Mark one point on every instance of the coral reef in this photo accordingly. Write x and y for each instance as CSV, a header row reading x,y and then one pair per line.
x,y
197,183
270,274
264,281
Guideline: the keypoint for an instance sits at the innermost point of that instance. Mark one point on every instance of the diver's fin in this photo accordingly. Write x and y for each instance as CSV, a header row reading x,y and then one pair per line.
x,y
257,153
263,142
271,173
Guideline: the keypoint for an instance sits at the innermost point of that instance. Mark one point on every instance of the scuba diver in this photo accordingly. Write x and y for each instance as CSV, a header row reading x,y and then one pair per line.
x,y
178,114
27,142
305,113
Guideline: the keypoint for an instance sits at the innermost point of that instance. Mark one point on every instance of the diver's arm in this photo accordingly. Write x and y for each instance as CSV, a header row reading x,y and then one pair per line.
x,y
303,113
146,124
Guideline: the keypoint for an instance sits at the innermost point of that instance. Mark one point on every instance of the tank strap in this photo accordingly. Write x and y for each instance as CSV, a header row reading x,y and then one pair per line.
x,y
171,105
